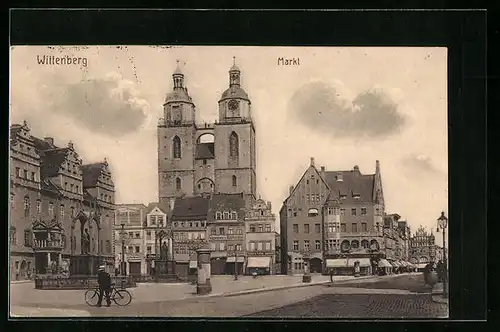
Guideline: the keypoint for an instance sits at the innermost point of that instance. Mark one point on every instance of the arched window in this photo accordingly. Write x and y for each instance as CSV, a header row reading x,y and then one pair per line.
x,y
312,212
218,215
178,184
374,245
234,181
233,145
176,144
234,215
365,244
226,215
38,206
355,244
345,246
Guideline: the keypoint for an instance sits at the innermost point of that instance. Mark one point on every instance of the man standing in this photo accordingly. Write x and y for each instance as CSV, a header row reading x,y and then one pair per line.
x,y
104,281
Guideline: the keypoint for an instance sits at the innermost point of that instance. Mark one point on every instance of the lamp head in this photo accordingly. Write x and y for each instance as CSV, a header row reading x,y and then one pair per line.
x,y
442,221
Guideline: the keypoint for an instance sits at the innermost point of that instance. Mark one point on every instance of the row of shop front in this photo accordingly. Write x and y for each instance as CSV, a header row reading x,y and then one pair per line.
x,y
367,266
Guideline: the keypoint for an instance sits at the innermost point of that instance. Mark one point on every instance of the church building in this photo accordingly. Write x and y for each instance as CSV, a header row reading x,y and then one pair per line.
x,y
219,157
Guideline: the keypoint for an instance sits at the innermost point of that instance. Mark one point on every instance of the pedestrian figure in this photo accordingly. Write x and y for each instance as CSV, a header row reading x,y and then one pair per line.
x,y
331,275
440,270
104,281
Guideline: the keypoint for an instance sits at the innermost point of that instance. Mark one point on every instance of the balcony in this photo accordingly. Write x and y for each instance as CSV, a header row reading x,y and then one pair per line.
x,y
47,245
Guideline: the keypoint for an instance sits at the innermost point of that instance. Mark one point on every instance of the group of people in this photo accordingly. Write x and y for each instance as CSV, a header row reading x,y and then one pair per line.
x,y
438,267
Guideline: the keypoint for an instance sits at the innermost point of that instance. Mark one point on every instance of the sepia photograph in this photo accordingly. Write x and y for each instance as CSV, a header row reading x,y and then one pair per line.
x,y
228,181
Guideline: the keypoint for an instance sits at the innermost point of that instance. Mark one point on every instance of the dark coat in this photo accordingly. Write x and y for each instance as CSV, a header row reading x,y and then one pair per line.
x,y
104,280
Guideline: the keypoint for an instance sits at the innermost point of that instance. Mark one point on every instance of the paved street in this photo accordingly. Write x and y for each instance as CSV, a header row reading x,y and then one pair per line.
x,y
356,298
394,303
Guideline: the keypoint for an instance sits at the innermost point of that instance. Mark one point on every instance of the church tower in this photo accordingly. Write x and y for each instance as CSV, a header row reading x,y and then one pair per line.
x,y
235,150
176,142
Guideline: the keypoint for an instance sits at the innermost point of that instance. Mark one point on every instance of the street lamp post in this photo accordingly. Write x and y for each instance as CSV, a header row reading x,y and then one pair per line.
x,y
443,224
235,264
124,264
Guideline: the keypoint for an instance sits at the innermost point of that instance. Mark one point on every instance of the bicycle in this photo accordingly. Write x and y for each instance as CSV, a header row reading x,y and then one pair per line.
x,y
121,297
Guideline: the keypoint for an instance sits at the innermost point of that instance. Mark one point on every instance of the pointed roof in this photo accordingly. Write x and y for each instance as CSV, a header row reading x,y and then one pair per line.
x,y
177,70
234,67
41,144
353,183
163,206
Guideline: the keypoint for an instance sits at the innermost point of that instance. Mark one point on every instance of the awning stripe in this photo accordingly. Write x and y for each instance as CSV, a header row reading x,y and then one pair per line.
x,y
384,263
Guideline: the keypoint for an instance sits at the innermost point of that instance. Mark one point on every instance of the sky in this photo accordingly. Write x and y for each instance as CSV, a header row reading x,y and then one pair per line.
x,y
344,106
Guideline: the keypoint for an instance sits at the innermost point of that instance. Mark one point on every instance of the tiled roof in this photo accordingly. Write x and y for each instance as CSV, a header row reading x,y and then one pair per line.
x,y
91,173
51,161
41,144
205,151
225,202
47,185
353,183
191,208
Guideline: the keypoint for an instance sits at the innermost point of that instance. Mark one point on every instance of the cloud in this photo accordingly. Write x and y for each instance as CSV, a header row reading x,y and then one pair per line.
x,y
111,105
323,107
422,164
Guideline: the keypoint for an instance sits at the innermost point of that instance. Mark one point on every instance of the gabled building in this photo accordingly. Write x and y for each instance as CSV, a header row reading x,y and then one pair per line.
x,y
422,248
62,211
312,228
156,221
260,238
226,233
188,226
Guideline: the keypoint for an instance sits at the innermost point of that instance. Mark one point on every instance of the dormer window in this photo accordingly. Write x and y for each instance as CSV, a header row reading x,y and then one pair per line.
x,y
312,212
356,196
226,215
218,215
343,196
234,215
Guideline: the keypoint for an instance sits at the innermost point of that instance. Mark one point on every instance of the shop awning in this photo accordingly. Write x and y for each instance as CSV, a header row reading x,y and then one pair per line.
x,y
363,262
231,259
421,265
340,262
395,264
403,263
259,261
193,264
384,263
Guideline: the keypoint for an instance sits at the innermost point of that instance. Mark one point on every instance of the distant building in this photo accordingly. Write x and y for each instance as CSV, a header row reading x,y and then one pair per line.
x,y
404,234
61,211
156,221
260,238
422,247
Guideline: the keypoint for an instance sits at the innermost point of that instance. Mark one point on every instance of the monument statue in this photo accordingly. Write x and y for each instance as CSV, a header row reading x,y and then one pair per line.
x,y
85,242
164,250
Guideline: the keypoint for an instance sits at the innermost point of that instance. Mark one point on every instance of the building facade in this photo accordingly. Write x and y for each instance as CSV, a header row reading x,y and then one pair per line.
x,y
130,237
188,232
226,233
217,157
155,234
61,210
333,219
422,248
260,238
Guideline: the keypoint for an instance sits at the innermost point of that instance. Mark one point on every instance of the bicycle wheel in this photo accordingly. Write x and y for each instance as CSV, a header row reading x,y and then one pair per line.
x,y
122,297
92,297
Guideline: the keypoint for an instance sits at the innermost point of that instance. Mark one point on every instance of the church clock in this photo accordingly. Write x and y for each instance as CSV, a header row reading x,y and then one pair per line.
x,y
233,106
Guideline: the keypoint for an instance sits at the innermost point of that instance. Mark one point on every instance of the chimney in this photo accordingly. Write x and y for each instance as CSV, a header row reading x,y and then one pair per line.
x,y
49,140
323,172
377,167
70,145
291,190
269,205
340,177
312,161
356,168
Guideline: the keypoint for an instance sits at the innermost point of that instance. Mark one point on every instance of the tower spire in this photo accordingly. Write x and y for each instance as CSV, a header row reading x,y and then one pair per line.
x,y
178,77
234,74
